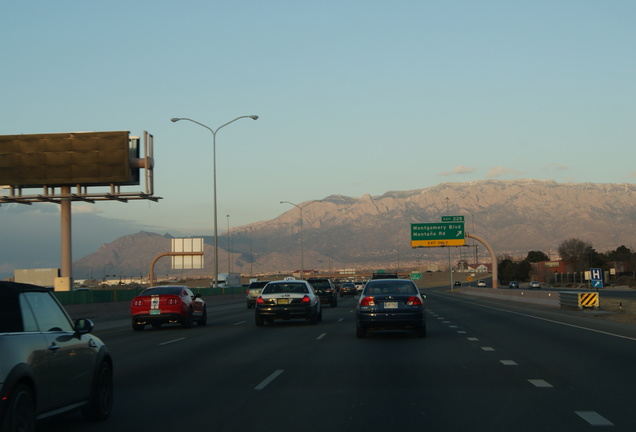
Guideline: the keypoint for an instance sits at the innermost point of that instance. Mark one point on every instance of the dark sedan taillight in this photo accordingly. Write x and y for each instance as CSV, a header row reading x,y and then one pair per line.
x,y
414,301
259,300
367,301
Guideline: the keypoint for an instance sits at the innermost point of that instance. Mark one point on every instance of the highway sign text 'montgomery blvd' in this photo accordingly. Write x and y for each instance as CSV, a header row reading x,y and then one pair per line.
x,y
437,234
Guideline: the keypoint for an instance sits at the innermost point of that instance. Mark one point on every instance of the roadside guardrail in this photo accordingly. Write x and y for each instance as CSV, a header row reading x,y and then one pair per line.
x,y
579,300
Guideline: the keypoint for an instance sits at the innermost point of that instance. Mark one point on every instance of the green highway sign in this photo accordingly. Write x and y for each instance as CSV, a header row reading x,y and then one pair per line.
x,y
452,218
416,276
437,234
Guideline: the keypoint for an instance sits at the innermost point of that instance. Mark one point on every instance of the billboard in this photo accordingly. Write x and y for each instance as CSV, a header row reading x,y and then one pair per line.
x,y
68,159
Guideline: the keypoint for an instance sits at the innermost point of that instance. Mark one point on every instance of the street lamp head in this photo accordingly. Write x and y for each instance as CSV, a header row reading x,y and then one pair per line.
x,y
253,117
174,120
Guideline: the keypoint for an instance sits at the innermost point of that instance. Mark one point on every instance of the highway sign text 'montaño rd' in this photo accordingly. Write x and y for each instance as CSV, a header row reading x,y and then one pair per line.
x,y
437,234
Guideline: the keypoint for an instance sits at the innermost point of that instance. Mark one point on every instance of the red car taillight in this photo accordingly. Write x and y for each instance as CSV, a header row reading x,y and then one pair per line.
x,y
367,301
306,300
414,301
260,300
171,301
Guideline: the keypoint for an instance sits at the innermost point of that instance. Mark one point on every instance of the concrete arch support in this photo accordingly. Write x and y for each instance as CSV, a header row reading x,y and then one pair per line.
x,y
493,257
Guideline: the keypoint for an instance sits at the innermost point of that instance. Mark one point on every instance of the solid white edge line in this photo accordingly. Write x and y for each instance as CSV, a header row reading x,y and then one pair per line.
x,y
548,320
322,335
239,323
269,379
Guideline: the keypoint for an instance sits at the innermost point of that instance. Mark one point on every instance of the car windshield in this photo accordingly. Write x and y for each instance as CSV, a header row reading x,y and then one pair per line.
x,y
285,288
391,288
162,291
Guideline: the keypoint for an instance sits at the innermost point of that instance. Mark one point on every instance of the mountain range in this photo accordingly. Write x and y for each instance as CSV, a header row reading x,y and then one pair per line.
x,y
339,232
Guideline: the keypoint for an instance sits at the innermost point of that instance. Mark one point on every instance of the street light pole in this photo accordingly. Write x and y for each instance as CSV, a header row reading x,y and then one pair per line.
x,y
216,244
302,247
229,256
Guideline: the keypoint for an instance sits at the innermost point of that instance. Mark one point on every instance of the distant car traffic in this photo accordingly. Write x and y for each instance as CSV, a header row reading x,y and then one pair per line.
x,y
253,291
167,304
49,365
325,290
348,288
287,299
481,283
513,285
359,286
534,285
457,284
390,304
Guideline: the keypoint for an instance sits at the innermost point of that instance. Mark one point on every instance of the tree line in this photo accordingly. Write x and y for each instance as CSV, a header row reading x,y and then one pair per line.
x,y
578,256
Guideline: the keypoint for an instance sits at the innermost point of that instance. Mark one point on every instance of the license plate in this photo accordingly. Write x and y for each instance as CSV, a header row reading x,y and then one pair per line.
x,y
390,305
155,312
282,301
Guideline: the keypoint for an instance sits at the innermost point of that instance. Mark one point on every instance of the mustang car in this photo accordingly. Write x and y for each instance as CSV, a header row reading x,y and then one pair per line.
x,y
166,305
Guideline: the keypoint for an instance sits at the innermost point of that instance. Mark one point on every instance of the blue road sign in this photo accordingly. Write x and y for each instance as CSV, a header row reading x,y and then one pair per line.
x,y
597,278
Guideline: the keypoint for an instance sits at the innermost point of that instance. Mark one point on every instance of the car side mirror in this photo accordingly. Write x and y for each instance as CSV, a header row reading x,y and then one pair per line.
x,y
83,326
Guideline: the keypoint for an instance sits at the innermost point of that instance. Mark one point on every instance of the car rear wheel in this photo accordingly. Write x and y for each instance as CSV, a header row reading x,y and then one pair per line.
x,y
101,403
361,332
187,322
204,317
20,411
421,332
313,316
258,320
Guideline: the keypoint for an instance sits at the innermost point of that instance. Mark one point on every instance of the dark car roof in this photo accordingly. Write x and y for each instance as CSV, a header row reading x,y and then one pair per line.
x,y
10,313
13,288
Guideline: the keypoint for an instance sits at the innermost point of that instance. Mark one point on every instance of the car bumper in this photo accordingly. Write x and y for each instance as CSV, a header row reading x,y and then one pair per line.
x,y
284,312
156,319
380,320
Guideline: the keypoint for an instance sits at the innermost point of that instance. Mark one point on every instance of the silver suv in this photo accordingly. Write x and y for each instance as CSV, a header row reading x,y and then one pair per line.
x,y
49,364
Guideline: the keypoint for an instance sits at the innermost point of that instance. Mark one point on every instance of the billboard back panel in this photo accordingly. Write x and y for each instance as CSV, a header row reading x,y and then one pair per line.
x,y
78,158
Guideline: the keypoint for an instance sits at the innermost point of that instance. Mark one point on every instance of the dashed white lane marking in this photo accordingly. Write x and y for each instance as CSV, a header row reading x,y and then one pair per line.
x,y
341,319
488,348
461,332
594,418
321,336
269,379
239,323
473,339
509,362
540,383
172,341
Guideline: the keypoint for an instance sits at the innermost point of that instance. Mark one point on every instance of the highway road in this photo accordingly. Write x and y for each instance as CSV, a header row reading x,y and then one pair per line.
x,y
485,366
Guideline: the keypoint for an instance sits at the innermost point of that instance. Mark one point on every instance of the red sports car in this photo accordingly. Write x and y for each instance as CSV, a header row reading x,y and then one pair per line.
x,y
167,304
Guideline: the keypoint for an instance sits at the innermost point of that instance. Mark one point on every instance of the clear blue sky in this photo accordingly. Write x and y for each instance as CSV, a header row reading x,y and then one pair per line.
x,y
354,97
